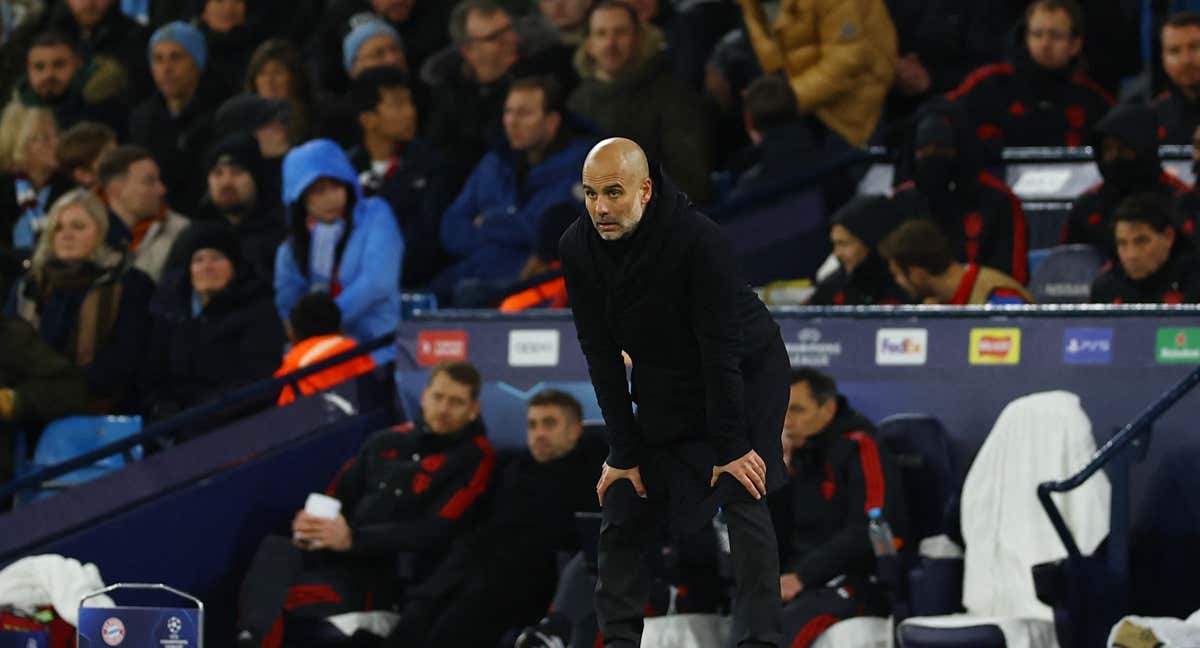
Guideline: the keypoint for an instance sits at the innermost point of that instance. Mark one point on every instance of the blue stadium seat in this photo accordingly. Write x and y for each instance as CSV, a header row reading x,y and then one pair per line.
x,y
70,437
412,302
1065,275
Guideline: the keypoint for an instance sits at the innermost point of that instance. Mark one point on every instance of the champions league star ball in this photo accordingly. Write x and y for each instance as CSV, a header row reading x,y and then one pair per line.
x,y
174,625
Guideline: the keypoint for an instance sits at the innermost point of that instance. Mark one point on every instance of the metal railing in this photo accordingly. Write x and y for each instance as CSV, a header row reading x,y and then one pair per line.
x,y
180,422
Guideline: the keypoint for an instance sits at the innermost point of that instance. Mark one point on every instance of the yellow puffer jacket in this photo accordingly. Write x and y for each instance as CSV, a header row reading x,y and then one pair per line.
x,y
838,54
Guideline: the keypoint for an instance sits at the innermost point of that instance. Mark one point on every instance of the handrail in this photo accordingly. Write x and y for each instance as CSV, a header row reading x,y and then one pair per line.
x,y
191,415
1103,456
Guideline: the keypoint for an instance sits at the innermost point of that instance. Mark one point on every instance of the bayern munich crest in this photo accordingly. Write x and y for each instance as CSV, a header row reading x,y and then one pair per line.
x,y
113,631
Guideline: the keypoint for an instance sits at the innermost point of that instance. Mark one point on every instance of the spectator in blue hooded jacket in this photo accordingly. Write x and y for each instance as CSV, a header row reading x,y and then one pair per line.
x,y
340,243
492,226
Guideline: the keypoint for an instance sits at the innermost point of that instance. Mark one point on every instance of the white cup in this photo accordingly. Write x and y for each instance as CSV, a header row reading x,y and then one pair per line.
x,y
322,506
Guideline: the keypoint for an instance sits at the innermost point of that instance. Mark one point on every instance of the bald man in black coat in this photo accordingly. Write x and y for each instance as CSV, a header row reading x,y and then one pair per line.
x,y
651,276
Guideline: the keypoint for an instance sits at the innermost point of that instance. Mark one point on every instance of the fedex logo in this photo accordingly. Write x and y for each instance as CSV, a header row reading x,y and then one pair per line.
x,y
901,347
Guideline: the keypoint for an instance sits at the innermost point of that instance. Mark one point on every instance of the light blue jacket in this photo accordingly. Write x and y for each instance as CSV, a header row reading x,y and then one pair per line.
x,y
369,270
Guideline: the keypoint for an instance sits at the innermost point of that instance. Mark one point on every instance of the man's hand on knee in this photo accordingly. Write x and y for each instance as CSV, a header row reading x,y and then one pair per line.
x,y
749,469
610,475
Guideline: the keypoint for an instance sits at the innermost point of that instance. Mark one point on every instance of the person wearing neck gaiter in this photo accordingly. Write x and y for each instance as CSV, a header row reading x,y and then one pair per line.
x,y
341,243
1125,149
975,210
1040,96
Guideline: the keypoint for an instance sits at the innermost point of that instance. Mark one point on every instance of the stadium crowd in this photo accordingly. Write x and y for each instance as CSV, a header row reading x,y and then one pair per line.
x,y
189,189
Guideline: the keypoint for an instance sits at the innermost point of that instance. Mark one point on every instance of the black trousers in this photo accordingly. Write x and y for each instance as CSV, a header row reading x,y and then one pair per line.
x,y
623,584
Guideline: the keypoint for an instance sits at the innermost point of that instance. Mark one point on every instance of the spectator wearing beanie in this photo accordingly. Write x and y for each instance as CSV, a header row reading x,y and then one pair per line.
x,y
419,24
371,44
176,123
213,327
621,65
394,163
97,29
228,39
266,120
316,334
87,300
340,242
238,197
862,277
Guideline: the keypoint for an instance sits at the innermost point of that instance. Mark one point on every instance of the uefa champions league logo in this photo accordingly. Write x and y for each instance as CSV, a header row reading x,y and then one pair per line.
x,y
174,626
113,631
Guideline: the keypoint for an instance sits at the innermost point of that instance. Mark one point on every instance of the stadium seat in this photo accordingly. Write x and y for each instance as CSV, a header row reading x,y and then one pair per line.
x,y
1037,438
70,437
1065,275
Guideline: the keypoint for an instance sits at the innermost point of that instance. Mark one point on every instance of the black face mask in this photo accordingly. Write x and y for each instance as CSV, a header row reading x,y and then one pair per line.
x,y
935,175
1129,175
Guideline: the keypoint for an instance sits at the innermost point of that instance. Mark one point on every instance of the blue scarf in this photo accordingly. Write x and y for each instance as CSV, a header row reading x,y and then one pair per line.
x,y
322,254
32,204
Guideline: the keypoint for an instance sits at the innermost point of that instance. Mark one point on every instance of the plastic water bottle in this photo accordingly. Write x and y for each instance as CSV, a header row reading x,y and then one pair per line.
x,y
880,533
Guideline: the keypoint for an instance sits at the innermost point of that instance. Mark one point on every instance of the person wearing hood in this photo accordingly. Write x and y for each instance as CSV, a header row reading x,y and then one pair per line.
x,y
651,277
492,227
1125,148
396,164
1178,108
238,196
862,277
176,123
1041,97
87,301
410,493
419,25
975,210
838,474
213,326
341,243
140,220
56,77
627,88
839,57
98,28
1156,264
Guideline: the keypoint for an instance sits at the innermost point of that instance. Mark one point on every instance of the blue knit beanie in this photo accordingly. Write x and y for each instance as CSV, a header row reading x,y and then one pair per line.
x,y
187,36
360,34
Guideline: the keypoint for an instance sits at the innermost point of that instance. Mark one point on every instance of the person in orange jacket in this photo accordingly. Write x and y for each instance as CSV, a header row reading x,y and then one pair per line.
x,y
315,333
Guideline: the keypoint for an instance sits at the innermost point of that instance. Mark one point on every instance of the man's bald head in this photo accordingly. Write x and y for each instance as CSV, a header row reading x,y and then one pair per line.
x,y
616,187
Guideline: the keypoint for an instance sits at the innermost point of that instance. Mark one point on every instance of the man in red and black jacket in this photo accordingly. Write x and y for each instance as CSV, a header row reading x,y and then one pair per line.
x,y
1125,147
838,473
408,494
1178,108
1155,263
1040,97
976,211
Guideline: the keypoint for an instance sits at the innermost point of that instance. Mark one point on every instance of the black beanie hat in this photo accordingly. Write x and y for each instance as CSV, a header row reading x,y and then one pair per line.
x,y
211,236
870,218
239,149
